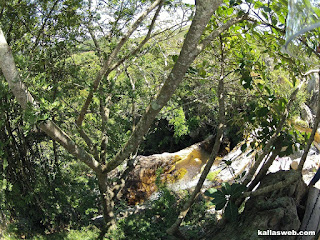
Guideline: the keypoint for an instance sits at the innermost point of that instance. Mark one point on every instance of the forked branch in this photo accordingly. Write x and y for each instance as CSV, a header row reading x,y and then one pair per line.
x,y
24,98
106,68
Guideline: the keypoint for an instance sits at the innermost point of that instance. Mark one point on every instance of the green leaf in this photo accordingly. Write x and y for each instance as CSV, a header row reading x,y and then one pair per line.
x,y
266,16
281,18
252,144
260,86
231,211
5,164
210,192
192,70
228,162
274,20
219,200
236,190
174,58
246,82
266,9
202,72
226,188
244,147
229,11
262,112
268,90
258,4
271,98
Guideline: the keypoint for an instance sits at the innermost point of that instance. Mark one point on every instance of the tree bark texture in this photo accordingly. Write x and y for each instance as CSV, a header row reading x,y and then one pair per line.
x,y
174,229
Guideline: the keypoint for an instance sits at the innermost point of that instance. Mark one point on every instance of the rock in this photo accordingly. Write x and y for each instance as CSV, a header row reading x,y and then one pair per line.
x,y
186,164
275,211
310,166
306,114
282,163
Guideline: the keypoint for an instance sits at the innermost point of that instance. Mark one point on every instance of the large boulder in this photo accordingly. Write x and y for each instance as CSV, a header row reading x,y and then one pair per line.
x,y
166,167
279,210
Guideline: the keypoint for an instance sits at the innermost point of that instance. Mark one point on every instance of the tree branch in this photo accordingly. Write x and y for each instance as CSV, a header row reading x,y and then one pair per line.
x,y
44,24
188,53
105,70
314,130
92,148
174,229
273,187
219,30
143,42
264,168
25,98
268,146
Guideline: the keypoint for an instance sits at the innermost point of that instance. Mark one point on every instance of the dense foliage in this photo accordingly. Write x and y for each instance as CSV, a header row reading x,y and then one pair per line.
x,y
59,47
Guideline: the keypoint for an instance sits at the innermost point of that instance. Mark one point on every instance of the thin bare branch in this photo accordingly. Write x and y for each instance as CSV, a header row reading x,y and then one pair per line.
x,y
105,70
41,30
313,132
143,42
92,148
173,230
268,146
188,53
220,30
264,169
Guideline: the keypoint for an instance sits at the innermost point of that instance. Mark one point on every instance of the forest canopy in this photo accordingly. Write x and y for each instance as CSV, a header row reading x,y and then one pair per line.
x,y
88,85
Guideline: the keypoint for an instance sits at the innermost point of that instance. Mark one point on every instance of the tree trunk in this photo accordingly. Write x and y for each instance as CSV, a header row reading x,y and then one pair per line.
x,y
106,195
191,49
174,229
268,147
189,52
311,218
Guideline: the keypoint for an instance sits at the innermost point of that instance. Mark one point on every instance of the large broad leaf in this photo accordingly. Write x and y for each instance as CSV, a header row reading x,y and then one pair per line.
x,y
219,200
226,188
246,82
231,211
210,192
236,190
244,147
262,112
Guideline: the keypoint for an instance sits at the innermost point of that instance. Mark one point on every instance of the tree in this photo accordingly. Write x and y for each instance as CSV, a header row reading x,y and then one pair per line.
x,y
94,156
278,134
86,65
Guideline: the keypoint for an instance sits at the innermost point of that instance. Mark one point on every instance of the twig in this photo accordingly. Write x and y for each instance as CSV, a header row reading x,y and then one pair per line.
x,y
173,230
314,130
274,136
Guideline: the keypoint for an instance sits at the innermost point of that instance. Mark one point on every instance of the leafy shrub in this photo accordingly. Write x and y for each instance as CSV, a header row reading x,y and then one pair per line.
x,y
152,223
225,198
